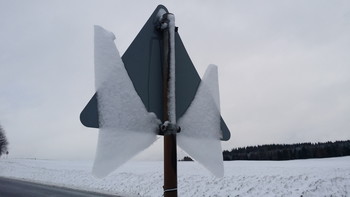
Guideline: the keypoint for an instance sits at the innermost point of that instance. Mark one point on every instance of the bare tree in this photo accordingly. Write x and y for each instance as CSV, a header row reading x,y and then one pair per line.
x,y
3,142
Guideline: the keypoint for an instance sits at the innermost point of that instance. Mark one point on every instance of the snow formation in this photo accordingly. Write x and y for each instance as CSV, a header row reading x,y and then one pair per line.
x,y
200,125
307,178
171,95
126,128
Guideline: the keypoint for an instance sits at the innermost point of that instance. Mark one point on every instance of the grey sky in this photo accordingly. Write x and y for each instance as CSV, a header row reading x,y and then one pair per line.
x,y
284,68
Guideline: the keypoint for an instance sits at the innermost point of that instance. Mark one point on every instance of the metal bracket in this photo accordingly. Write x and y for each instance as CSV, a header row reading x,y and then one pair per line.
x,y
167,128
170,190
164,23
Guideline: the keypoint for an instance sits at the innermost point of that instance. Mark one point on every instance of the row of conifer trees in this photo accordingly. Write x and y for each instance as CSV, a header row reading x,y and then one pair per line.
x,y
289,151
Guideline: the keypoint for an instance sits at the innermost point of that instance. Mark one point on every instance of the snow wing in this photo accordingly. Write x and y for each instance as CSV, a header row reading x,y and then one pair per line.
x,y
125,126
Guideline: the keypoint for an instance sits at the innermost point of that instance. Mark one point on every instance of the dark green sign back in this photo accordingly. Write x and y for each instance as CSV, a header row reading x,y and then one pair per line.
x,y
143,62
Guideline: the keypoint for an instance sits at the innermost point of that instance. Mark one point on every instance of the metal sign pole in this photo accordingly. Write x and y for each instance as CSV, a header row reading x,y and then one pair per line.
x,y
170,155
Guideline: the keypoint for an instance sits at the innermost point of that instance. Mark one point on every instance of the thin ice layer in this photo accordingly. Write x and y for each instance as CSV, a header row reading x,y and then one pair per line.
x,y
200,125
126,127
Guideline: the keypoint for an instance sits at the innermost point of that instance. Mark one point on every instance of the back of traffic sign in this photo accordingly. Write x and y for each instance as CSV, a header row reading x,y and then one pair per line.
x,y
143,62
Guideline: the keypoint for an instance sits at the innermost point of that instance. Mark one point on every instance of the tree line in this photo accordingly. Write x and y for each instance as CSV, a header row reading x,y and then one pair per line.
x,y
3,142
289,151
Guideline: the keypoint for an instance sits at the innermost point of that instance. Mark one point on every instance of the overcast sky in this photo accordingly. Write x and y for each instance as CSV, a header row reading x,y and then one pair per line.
x,y
284,68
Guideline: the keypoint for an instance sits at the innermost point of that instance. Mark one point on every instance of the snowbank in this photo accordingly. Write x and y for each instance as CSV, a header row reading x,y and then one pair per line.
x,y
314,177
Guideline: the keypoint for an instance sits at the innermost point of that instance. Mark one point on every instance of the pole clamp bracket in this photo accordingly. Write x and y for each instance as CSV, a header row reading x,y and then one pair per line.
x,y
164,23
168,128
170,189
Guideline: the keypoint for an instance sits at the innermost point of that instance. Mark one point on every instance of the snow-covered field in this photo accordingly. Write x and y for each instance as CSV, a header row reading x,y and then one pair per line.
x,y
313,177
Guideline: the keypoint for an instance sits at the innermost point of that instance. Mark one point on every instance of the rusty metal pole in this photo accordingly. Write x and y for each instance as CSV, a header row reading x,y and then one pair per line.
x,y
170,154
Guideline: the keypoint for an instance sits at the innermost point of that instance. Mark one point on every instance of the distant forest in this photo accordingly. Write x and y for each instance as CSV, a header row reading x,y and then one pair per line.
x,y
289,151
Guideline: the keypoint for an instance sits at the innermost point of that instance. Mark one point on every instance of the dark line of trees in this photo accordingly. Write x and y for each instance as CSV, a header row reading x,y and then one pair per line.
x,y
289,151
3,142
186,158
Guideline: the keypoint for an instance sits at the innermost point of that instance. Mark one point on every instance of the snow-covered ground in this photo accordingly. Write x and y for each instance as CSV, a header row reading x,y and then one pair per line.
x,y
313,177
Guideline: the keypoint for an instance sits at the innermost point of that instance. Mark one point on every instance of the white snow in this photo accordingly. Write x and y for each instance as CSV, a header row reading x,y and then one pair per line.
x,y
160,14
126,128
200,125
312,177
171,95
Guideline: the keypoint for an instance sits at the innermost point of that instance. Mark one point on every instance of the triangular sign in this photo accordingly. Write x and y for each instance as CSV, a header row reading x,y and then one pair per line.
x,y
143,63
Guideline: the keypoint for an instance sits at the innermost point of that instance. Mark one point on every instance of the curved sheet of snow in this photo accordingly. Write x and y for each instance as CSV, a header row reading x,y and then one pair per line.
x,y
126,128
200,125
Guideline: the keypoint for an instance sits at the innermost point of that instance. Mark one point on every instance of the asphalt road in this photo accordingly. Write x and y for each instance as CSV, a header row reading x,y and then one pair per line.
x,y
17,188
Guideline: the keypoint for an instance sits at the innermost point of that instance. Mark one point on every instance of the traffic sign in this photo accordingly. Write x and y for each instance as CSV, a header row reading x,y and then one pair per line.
x,y
143,62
